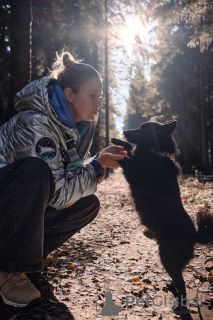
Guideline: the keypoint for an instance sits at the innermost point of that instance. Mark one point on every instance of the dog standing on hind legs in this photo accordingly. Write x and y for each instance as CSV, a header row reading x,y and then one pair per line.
x,y
152,172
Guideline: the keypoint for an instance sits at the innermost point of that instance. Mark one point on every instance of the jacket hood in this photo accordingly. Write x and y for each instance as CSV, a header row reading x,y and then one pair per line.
x,y
34,96
59,103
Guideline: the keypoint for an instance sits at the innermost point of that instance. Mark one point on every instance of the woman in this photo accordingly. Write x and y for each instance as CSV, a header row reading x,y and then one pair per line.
x,y
47,183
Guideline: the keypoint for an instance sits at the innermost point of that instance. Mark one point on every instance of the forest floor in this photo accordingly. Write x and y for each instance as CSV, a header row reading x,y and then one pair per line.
x,y
112,255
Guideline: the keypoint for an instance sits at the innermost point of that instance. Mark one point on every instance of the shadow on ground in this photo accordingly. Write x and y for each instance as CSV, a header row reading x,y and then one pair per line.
x,y
48,307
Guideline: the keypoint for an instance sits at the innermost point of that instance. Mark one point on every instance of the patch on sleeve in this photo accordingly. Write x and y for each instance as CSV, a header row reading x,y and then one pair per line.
x,y
46,149
65,157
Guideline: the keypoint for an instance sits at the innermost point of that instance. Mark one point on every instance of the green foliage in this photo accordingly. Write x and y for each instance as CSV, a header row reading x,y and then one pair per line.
x,y
181,84
194,14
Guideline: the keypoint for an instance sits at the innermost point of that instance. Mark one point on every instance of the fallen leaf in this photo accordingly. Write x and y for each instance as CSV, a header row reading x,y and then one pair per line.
x,y
134,280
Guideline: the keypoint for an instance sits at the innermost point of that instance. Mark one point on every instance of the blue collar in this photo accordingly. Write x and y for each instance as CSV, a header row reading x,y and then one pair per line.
x,y
60,104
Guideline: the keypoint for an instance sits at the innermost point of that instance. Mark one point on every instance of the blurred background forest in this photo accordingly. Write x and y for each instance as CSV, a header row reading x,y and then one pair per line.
x,y
155,58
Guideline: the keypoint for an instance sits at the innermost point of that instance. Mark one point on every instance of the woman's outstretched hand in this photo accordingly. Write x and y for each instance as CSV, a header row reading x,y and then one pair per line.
x,y
109,156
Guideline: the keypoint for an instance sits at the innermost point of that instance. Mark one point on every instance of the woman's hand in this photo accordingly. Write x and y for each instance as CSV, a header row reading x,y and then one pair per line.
x,y
109,156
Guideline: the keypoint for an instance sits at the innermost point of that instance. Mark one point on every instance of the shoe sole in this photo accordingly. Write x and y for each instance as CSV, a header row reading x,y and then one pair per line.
x,y
47,262
17,305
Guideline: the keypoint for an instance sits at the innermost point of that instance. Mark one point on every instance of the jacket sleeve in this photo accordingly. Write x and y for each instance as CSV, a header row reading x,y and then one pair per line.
x,y
24,140
71,186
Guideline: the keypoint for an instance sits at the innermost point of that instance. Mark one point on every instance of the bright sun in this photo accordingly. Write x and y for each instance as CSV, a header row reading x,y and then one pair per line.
x,y
133,28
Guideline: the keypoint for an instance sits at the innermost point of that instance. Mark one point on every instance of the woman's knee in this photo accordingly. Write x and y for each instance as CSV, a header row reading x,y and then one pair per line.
x,y
94,206
86,206
92,203
95,201
34,167
33,164
29,170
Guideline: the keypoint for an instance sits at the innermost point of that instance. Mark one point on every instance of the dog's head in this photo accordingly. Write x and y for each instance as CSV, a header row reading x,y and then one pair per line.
x,y
154,136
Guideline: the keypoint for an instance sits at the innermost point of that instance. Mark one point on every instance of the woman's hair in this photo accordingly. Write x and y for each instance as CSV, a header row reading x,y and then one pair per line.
x,y
71,73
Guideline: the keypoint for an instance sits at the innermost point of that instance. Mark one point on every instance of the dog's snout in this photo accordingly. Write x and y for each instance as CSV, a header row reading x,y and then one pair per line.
x,y
131,135
127,135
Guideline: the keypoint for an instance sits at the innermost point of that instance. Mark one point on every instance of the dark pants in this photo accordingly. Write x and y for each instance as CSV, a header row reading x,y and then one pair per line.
x,y
29,228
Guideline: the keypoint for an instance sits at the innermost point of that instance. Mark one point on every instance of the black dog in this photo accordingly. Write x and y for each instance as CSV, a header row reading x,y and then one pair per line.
x,y
152,174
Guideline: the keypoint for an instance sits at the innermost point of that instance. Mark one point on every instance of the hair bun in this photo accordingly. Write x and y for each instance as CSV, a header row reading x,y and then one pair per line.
x,y
68,59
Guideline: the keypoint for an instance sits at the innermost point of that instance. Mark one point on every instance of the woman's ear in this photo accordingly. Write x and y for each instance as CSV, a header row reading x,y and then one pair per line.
x,y
68,93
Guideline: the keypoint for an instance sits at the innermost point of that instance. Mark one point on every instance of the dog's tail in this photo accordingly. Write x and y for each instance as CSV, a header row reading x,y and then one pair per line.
x,y
204,232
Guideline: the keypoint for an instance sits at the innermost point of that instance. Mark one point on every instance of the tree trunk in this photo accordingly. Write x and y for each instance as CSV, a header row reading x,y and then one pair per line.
x,y
20,35
185,156
106,78
204,148
106,74
96,141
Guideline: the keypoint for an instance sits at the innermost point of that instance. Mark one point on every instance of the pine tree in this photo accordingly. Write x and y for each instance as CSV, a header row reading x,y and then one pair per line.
x,y
4,57
181,78
20,57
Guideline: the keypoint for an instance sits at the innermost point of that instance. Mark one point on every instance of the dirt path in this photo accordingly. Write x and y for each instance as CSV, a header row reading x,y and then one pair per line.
x,y
112,255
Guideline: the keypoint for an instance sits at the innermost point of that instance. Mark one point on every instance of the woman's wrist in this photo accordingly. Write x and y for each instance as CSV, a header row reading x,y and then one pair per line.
x,y
100,160
96,165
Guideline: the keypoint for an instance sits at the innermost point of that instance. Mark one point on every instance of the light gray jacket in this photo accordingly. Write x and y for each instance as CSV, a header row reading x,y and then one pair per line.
x,y
36,131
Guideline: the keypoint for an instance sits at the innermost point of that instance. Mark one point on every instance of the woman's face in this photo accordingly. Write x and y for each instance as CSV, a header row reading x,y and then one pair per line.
x,y
85,104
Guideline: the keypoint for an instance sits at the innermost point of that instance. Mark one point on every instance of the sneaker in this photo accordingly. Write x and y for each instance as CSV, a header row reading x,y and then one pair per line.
x,y
16,289
46,262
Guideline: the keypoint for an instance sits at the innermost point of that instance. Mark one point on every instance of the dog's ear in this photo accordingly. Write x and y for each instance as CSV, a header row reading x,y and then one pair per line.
x,y
168,127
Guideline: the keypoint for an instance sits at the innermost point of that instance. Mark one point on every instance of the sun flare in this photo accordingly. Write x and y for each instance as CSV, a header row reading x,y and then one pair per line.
x,y
132,30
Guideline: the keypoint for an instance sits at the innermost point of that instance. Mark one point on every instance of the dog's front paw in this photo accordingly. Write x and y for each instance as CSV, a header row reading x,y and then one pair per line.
x,y
117,142
124,144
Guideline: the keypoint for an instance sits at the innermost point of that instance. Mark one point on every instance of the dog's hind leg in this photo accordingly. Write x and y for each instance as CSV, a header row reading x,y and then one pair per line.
x,y
173,265
178,281
148,233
